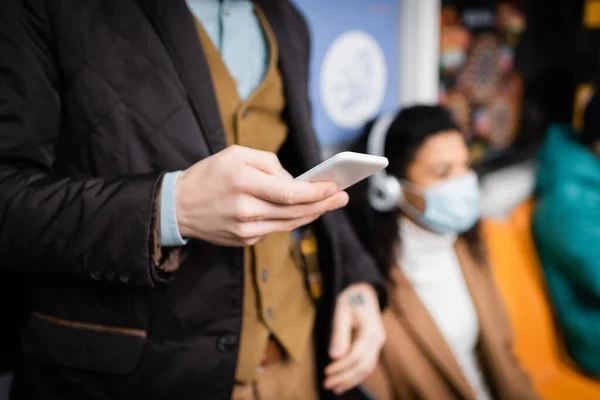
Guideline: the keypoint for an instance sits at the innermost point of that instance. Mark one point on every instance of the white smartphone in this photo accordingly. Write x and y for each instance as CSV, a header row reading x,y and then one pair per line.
x,y
345,169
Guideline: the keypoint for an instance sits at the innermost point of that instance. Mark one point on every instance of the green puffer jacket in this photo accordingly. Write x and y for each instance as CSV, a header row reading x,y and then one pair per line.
x,y
566,226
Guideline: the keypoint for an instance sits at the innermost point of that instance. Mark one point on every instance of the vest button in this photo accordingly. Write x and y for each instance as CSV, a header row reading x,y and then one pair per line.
x,y
96,274
110,276
227,343
244,113
269,313
264,275
125,277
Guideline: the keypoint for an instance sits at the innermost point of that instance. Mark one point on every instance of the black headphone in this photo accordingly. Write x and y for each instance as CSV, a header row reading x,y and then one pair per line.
x,y
385,191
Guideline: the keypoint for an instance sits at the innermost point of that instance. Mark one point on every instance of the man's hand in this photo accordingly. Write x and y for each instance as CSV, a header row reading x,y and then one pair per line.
x,y
358,336
238,195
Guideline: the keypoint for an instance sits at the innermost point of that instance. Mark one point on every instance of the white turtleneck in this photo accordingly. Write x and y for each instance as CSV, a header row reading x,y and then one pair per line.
x,y
429,262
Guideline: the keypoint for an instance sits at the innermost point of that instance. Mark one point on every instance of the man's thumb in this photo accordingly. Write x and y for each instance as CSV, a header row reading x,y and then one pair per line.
x,y
342,332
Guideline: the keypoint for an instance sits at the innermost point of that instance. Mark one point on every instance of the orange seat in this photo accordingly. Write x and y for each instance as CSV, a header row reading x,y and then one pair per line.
x,y
537,342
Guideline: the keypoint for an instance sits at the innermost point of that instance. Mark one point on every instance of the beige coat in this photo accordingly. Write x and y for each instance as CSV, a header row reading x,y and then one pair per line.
x,y
416,362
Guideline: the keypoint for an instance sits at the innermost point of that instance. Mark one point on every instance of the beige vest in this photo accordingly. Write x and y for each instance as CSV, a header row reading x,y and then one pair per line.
x,y
276,301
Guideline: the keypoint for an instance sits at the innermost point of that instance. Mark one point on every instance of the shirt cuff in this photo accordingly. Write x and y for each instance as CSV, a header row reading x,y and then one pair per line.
x,y
169,231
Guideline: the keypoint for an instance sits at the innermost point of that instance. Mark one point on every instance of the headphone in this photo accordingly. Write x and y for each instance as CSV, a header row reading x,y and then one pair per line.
x,y
385,191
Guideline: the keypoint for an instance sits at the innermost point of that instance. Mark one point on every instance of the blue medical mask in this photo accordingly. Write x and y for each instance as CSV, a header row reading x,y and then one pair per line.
x,y
450,207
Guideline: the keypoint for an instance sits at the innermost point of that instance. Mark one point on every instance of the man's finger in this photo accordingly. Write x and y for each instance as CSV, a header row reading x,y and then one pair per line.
x,y
351,370
226,239
279,212
261,160
265,227
264,161
354,376
282,191
359,348
342,331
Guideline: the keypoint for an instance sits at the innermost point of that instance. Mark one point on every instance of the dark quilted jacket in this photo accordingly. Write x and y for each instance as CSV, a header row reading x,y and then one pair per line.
x,y
97,99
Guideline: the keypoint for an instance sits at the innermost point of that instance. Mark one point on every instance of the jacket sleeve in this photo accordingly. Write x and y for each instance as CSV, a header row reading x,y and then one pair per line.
x,y
358,265
49,220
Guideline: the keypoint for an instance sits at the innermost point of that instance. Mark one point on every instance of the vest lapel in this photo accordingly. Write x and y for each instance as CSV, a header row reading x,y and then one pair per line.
x,y
426,334
293,69
175,26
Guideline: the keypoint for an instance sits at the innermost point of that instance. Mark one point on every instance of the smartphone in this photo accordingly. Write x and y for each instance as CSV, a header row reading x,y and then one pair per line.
x,y
345,169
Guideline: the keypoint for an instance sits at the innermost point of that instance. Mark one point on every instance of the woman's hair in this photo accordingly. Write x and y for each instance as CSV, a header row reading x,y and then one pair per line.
x,y
378,231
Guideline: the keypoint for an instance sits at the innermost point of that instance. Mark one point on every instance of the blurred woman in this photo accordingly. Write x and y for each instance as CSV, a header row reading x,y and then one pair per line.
x,y
448,335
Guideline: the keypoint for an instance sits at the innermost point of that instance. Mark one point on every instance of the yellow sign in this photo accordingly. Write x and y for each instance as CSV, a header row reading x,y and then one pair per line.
x,y
583,95
591,14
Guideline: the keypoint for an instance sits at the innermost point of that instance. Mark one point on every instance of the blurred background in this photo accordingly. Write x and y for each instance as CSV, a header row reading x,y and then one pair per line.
x,y
507,69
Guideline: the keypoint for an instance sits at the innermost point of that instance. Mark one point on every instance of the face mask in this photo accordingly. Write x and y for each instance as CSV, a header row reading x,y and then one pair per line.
x,y
450,207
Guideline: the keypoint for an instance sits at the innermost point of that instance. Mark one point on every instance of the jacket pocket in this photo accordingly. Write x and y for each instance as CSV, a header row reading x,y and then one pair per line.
x,y
85,346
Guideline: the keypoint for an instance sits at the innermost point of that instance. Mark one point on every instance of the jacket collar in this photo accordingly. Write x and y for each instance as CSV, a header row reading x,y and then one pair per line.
x,y
406,304
175,26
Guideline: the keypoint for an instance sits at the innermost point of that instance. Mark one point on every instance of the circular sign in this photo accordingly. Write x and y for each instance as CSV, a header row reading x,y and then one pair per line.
x,y
353,79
